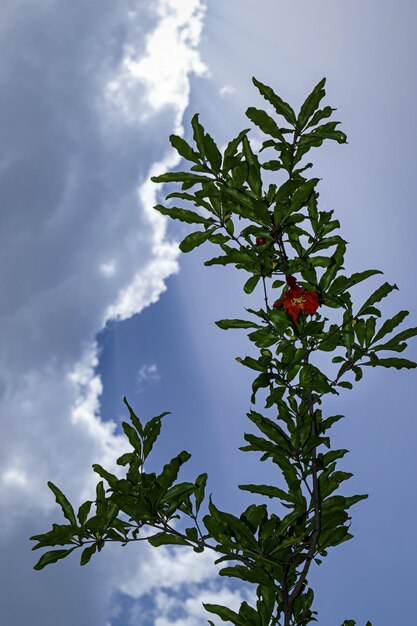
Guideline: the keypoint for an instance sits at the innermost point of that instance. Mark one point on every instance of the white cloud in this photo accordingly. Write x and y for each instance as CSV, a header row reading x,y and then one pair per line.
x,y
146,373
192,612
226,89
93,250
171,54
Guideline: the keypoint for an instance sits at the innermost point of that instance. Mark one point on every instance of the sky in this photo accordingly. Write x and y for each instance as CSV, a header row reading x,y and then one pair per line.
x,y
98,302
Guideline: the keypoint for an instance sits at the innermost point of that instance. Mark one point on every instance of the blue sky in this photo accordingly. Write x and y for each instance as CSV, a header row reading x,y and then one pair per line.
x,y
99,303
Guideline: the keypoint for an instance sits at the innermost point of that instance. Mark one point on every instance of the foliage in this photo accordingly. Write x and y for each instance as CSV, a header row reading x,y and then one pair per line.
x,y
287,235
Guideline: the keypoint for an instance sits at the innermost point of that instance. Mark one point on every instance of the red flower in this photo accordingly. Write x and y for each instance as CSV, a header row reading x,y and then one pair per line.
x,y
260,241
297,299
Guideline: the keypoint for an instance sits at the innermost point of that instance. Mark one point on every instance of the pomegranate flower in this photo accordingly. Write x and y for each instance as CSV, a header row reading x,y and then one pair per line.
x,y
296,300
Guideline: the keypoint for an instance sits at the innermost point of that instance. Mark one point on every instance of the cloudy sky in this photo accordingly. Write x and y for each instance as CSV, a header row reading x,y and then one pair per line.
x,y
97,301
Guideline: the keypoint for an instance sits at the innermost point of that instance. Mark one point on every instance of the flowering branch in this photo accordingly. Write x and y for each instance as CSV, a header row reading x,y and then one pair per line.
x,y
271,552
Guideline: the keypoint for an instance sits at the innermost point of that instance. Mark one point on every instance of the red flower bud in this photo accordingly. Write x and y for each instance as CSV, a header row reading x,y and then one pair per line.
x,y
260,241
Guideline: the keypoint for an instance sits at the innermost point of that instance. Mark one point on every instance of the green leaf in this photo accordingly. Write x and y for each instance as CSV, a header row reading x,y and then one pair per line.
x,y
52,557
233,144
273,165
255,575
390,324
225,614
233,526
251,283
254,175
302,195
311,103
380,293
336,263
126,458
198,134
192,534
200,484
83,511
393,362
312,378
281,107
226,324
212,153
133,437
170,470
320,115
151,433
60,535
164,539
181,177
264,122
271,429
64,503
268,490
87,553
319,134
184,149
184,215
195,239
134,418
342,283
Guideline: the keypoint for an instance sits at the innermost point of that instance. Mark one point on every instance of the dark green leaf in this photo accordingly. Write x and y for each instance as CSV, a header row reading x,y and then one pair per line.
x,y
111,478
87,553
273,165
312,378
195,239
265,122
184,215
393,362
212,153
254,575
281,107
254,175
232,147
226,324
192,534
164,539
320,115
336,263
60,535
126,458
251,283
268,490
151,432
319,134
225,614
52,557
132,435
394,342
184,149
311,103
134,418
380,293
390,324
64,503
200,490
83,511
170,470
342,283
198,133
181,177
302,195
